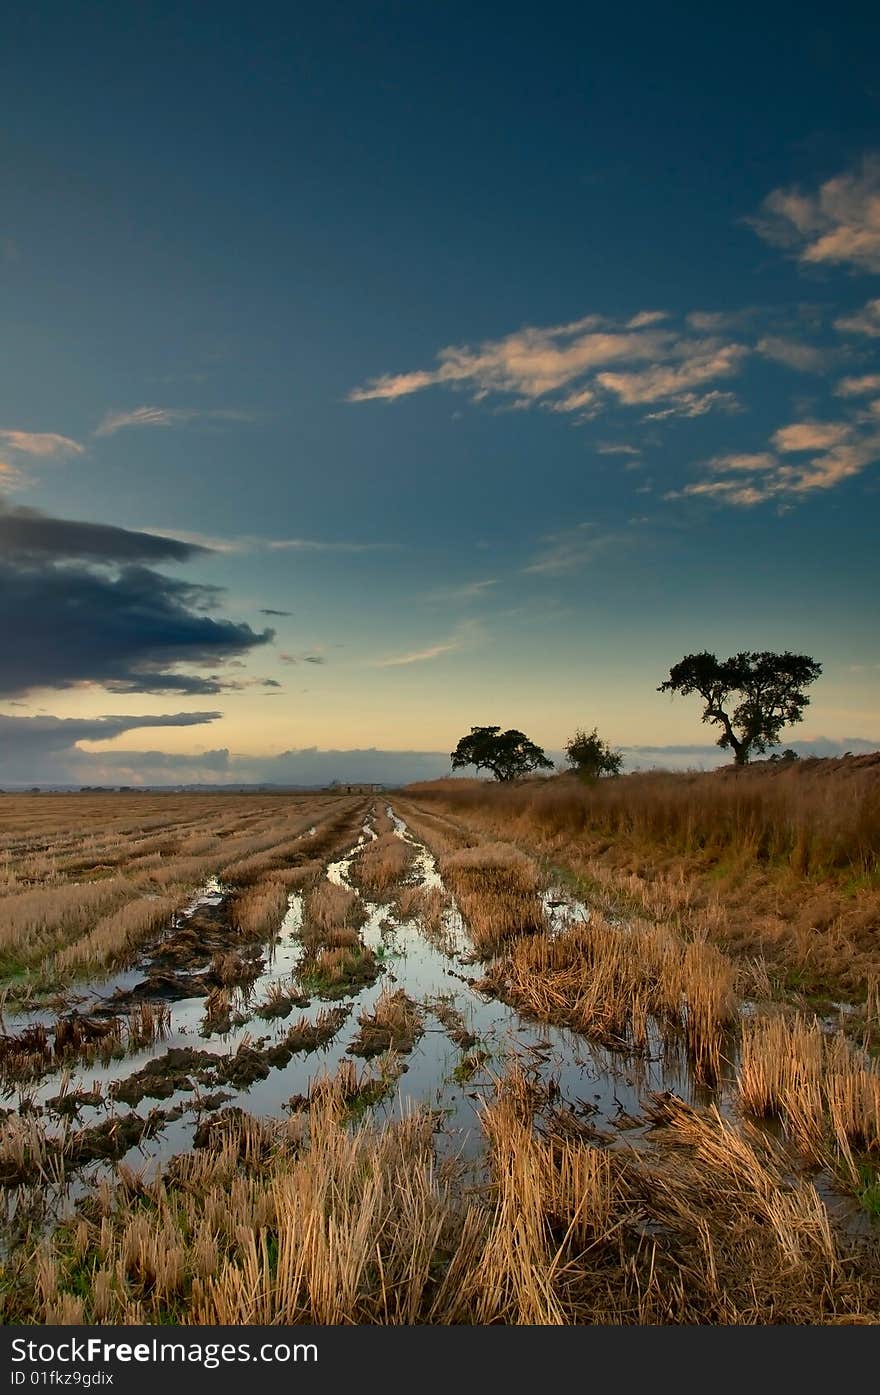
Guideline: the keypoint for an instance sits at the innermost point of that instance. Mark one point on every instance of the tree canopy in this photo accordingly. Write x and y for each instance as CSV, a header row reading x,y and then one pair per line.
x,y
508,754
750,696
591,756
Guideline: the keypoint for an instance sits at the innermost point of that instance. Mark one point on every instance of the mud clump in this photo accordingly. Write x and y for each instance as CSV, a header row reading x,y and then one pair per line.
x,y
113,1138
207,1103
160,1078
394,1025
245,1066
310,1036
339,973
73,1101
252,1139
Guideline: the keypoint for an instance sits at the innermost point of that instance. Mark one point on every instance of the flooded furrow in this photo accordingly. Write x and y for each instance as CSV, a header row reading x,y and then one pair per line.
x,y
262,1042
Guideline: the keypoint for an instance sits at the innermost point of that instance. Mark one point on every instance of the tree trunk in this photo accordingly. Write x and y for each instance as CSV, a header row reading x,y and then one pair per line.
x,y
740,751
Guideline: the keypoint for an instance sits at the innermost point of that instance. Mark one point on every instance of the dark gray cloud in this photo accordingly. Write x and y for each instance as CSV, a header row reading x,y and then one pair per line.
x,y
29,534
268,611
76,606
40,747
65,764
314,659
697,757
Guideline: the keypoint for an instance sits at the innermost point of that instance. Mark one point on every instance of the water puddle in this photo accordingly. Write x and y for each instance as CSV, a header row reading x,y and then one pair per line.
x,y
229,1045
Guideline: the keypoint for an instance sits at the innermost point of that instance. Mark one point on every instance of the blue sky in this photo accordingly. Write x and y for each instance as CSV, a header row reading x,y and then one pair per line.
x,y
514,351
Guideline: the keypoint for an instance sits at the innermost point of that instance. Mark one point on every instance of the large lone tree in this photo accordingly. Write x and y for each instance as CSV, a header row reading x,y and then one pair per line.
x,y
508,754
750,696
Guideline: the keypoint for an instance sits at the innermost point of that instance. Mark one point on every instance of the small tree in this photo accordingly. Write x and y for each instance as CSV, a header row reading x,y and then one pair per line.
x,y
751,696
591,756
508,754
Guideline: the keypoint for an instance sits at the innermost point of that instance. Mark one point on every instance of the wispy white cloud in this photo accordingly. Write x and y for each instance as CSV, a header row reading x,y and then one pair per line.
x,y
571,548
207,540
115,421
859,386
696,404
250,543
326,545
700,363
609,448
11,477
580,368
864,321
45,445
811,435
467,591
466,634
746,462
794,353
837,224
837,451
418,656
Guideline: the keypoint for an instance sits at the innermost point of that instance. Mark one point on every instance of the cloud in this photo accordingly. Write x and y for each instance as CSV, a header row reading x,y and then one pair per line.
x,y
115,421
718,321
864,321
858,387
467,591
46,445
656,383
81,608
324,545
418,656
32,746
705,756
302,658
811,435
580,367
49,733
609,448
11,477
307,766
838,224
758,460
467,633
572,548
205,542
267,610
694,404
28,533
838,451
247,542
804,358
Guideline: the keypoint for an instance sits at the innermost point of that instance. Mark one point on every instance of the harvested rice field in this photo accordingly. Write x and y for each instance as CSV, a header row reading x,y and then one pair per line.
x,y
329,1058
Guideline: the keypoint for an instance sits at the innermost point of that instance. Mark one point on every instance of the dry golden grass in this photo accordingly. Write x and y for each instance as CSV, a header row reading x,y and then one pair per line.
x,y
382,863
610,983
316,1221
33,922
259,910
496,887
781,863
114,937
395,1024
86,879
331,907
825,1091
813,814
